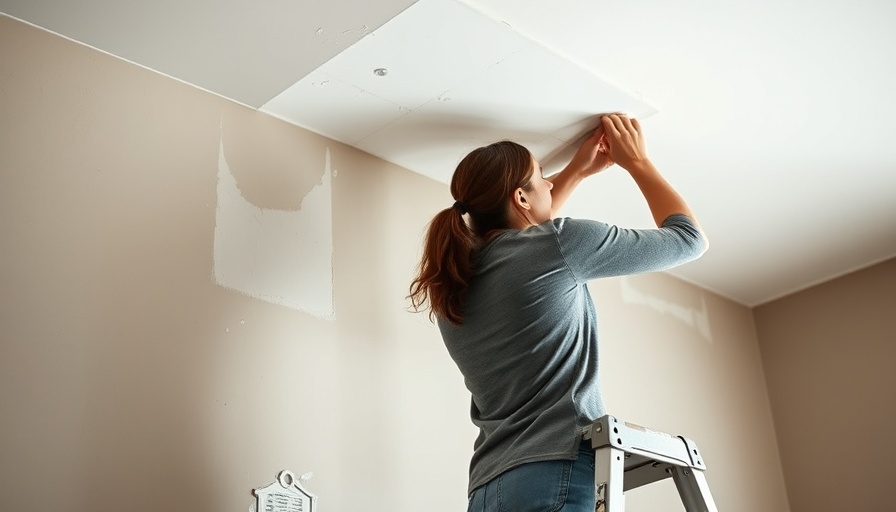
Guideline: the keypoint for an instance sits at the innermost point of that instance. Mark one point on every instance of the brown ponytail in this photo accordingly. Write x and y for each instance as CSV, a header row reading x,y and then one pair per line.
x,y
482,185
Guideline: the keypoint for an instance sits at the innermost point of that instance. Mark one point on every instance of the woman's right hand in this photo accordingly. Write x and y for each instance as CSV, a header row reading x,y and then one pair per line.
x,y
626,147
624,140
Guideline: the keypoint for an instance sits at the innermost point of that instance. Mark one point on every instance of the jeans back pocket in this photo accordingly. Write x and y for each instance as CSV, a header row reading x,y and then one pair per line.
x,y
534,487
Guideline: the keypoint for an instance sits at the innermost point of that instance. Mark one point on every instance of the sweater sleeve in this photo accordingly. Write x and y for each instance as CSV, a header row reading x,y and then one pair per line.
x,y
593,249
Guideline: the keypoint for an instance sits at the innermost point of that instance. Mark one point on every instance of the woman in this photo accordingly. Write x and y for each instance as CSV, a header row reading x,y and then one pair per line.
x,y
507,285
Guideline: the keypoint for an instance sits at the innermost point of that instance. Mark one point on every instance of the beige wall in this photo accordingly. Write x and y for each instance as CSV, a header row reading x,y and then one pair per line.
x,y
829,354
128,376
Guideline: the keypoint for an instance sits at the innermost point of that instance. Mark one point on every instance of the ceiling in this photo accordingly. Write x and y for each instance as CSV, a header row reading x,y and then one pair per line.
x,y
772,118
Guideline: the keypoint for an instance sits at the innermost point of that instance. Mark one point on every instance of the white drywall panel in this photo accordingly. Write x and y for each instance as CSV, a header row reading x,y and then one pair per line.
x,y
455,80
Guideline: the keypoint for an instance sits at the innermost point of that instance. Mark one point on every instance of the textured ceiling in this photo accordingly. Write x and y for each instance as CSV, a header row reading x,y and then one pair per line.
x,y
773,119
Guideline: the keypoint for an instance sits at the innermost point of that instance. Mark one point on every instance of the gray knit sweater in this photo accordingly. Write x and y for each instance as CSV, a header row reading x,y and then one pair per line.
x,y
528,345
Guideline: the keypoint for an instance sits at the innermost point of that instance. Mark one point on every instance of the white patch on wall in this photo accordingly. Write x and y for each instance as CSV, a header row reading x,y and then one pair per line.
x,y
697,319
280,256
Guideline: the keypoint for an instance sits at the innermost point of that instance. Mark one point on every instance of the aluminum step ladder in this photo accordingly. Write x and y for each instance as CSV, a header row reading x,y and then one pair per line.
x,y
628,456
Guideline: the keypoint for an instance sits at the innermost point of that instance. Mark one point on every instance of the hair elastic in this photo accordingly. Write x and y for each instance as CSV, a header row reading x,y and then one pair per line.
x,y
459,207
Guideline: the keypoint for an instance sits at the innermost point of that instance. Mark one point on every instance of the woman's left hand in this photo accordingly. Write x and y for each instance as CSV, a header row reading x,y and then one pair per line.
x,y
592,156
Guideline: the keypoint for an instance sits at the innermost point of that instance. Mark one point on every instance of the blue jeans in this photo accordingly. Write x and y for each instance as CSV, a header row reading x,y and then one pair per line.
x,y
549,486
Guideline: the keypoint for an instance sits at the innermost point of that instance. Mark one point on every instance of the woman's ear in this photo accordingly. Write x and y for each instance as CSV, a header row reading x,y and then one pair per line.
x,y
519,199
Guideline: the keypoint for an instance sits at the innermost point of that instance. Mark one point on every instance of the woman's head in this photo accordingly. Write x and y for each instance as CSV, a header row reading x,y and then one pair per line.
x,y
499,186
485,180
